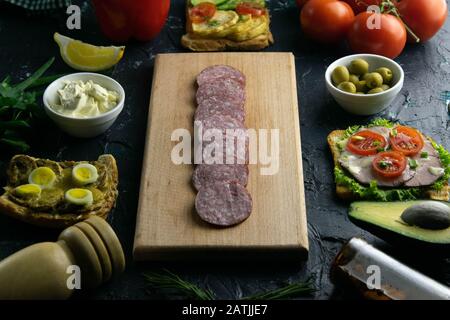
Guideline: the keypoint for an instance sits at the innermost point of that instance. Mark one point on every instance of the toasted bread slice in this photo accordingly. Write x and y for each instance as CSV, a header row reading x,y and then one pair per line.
x,y
345,193
201,44
57,213
197,43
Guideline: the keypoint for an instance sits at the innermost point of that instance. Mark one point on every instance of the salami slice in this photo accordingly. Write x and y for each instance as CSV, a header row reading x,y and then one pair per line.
x,y
205,174
223,203
233,146
227,94
220,122
213,73
207,110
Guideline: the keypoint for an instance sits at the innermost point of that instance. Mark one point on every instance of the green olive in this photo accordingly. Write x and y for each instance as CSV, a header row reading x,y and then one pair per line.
x,y
353,79
385,87
364,76
386,73
374,80
359,67
361,86
347,87
375,90
339,75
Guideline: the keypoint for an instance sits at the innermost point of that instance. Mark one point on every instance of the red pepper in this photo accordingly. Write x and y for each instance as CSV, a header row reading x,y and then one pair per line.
x,y
121,20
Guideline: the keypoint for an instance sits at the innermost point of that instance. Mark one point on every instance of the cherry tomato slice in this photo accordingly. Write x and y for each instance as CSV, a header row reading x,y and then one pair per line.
x,y
389,164
202,12
406,140
366,143
254,9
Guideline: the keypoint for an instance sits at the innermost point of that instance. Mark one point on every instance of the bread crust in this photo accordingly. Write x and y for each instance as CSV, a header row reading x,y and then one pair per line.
x,y
52,220
195,43
346,194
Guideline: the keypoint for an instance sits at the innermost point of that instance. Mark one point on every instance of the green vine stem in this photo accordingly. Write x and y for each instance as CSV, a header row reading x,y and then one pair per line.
x,y
387,6
391,8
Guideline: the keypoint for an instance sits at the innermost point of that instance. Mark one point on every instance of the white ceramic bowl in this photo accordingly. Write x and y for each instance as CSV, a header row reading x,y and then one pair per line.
x,y
89,127
370,103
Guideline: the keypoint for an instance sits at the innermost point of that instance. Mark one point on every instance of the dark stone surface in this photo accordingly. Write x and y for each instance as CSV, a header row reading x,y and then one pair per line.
x,y
26,43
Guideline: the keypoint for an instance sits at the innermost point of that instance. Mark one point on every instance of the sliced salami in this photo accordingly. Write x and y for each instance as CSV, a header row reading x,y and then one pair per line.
x,y
205,174
213,73
219,122
227,94
233,146
223,203
207,110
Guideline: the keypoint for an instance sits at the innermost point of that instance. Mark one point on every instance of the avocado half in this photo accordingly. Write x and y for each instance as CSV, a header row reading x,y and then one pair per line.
x,y
383,220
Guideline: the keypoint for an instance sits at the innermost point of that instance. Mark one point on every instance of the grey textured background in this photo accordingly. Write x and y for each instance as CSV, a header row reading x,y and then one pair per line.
x,y
26,42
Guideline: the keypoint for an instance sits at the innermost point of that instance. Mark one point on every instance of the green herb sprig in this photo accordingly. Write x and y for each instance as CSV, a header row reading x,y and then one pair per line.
x,y
291,290
186,289
171,281
19,108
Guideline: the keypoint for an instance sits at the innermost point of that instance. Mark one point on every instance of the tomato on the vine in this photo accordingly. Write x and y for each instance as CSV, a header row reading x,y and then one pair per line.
x,y
424,17
326,21
359,6
377,33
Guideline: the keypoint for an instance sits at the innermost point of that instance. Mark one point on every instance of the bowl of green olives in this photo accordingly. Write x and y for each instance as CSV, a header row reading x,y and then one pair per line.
x,y
364,84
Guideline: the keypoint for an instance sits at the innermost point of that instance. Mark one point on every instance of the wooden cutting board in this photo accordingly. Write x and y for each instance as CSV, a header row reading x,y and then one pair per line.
x,y
168,227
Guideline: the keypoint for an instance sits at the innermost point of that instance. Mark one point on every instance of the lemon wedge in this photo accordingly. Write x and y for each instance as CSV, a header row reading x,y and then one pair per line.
x,y
87,57
28,191
84,173
79,197
44,177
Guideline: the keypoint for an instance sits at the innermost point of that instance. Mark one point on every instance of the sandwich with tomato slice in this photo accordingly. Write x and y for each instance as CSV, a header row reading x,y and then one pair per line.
x,y
386,161
218,25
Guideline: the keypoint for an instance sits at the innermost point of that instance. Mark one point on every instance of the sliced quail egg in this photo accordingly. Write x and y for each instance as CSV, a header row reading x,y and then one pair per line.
x,y
79,197
84,173
28,191
43,177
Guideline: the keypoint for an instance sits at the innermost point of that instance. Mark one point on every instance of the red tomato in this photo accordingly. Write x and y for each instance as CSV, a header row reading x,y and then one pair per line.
x,y
202,12
366,143
254,9
359,6
406,140
326,21
121,20
424,17
389,164
388,38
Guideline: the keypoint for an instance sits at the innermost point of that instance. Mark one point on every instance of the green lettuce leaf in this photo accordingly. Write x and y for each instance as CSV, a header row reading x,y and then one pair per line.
x,y
444,155
372,192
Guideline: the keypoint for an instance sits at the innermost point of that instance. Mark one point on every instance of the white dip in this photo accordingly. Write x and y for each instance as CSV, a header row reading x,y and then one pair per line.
x,y
80,99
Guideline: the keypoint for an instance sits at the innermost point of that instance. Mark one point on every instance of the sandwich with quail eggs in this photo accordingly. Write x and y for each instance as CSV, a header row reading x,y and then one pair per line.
x,y
58,194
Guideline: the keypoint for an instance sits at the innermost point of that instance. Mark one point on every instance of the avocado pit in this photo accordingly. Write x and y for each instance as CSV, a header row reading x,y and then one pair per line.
x,y
430,215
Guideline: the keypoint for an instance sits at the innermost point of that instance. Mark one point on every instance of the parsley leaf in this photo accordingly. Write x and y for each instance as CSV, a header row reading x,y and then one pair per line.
x,y
19,108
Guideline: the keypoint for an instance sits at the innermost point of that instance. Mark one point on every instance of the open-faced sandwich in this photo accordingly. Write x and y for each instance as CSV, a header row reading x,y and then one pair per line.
x,y
59,194
217,25
385,161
